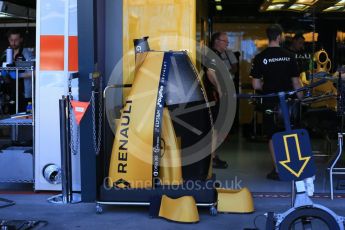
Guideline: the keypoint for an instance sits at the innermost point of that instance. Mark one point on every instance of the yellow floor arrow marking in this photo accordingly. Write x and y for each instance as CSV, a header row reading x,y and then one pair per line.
x,y
300,158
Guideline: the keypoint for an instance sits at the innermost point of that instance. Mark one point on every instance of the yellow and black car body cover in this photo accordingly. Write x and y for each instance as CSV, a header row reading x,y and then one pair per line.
x,y
163,138
162,123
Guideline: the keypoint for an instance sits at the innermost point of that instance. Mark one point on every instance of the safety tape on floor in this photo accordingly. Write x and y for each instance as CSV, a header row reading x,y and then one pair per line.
x,y
288,195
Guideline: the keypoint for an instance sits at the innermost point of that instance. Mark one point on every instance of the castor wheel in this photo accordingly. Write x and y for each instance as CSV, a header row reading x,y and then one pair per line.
x,y
213,211
99,209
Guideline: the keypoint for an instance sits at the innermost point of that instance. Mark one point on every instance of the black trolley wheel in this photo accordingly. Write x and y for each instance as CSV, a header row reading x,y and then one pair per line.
x,y
99,209
305,213
213,210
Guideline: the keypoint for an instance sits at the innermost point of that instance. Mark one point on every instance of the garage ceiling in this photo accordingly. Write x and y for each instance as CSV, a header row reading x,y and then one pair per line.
x,y
255,9
28,3
248,11
17,11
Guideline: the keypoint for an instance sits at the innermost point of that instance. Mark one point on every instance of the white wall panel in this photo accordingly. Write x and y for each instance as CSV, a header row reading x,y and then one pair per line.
x,y
52,16
52,19
73,18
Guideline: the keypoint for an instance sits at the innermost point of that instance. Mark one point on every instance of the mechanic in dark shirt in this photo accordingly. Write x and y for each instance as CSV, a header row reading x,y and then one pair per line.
x,y
219,45
15,40
297,48
274,70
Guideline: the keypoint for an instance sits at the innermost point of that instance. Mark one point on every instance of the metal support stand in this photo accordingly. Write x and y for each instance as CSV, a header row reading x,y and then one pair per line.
x,y
67,195
285,110
303,208
332,169
293,193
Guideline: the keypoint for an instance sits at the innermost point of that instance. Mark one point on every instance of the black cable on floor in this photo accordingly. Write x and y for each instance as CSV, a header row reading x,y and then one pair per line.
x,y
7,202
255,219
22,224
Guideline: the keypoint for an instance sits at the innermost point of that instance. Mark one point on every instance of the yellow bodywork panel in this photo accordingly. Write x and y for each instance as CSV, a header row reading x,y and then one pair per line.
x,y
235,201
170,25
170,171
131,159
182,209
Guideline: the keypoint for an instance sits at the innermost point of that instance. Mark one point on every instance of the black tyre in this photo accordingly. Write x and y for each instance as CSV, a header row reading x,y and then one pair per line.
x,y
310,214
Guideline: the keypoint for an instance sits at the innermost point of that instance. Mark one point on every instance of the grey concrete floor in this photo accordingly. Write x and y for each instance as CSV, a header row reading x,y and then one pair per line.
x,y
248,164
83,215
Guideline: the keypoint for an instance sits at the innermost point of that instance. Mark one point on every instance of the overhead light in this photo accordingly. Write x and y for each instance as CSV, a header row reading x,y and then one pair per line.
x,y
340,3
217,0
306,2
4,15
219,7
298,7
275,7
332,8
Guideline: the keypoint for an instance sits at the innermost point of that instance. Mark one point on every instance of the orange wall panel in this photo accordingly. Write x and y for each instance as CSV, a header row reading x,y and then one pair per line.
x,y
52,52
73,53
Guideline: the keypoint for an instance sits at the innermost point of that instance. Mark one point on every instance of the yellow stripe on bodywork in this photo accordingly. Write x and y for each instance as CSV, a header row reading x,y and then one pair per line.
x,y
131,158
